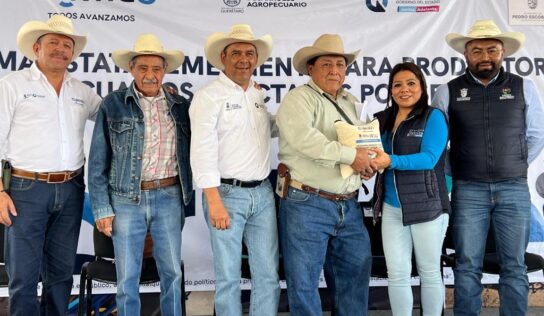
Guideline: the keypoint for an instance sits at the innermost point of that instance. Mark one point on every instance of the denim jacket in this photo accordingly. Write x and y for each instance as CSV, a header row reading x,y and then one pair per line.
x,y
115,159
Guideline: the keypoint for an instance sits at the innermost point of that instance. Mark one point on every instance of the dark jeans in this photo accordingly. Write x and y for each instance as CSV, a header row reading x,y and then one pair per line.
x,y
475,205
314,230
42,241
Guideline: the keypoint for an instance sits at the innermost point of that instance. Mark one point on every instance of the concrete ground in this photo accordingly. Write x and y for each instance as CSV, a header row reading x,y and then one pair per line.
x,y
201,304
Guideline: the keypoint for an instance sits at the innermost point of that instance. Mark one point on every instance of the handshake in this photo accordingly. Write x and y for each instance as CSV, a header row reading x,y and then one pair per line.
x,y
369,161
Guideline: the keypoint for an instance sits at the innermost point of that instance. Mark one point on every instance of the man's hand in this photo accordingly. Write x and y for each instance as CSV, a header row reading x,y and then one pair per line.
x,y
219,217
105,225
382,159
6,207
362,164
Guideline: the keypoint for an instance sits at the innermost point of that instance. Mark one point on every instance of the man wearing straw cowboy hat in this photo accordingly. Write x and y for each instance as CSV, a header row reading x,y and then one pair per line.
x,y
43,111
495,120
230,150
320,219
140,177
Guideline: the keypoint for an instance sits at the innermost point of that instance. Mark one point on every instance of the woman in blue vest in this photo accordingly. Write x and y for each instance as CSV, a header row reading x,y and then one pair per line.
x,y
412,197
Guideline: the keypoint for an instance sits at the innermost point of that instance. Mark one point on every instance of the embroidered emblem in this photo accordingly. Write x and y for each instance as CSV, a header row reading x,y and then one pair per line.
x,y
506,94
415,133
463,95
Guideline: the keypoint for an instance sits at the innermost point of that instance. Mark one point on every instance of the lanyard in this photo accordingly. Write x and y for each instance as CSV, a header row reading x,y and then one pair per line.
x,y
338,108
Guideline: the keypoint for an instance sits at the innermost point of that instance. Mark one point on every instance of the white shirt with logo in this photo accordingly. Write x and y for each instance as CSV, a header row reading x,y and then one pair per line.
x,y
41,131
230,133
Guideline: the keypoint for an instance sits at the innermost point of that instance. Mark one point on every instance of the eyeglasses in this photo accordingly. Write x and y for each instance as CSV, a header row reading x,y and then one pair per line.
x,y
493,52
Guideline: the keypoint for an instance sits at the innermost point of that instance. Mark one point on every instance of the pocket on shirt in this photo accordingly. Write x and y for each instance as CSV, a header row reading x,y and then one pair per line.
x,y
121,134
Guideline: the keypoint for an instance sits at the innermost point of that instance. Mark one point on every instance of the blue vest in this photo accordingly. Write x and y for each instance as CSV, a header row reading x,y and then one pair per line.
x,y
423,194
487,128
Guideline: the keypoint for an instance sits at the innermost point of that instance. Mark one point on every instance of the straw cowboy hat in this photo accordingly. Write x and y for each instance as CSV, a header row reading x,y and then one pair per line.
x,y
57,24
487,29
326,44
148,44
239,33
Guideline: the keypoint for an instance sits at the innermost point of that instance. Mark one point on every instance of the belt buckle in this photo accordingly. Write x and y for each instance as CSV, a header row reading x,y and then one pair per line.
x,y
52,175
236,182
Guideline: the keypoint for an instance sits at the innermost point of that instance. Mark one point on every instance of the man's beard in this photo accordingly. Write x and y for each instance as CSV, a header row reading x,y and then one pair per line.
x,y
485,74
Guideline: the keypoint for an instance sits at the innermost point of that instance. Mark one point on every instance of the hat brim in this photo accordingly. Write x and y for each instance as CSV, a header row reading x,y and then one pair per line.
x,y
31,31
173,58
303,55
511,41
217,42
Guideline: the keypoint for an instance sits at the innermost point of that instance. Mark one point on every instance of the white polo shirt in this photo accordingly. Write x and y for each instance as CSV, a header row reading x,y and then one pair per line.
x,y
230,133
39,130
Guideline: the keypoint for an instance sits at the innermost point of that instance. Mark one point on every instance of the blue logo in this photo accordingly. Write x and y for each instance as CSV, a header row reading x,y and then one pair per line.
x,y
379,6
66,4
70,3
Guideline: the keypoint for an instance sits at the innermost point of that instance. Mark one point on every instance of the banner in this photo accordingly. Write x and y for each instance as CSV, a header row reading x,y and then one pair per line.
x,y
387,32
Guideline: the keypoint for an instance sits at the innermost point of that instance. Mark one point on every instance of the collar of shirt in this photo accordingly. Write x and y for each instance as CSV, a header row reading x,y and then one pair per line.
x,y
341,92
141,96
480,82
37,74
228,82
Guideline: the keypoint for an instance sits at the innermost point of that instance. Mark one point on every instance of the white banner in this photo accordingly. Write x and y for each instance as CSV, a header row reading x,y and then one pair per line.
x,y
387,32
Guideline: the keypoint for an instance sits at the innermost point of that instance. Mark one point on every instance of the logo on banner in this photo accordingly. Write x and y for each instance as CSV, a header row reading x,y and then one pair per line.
x,y
532,4
232,3
232,6
65,4
378,6
70,3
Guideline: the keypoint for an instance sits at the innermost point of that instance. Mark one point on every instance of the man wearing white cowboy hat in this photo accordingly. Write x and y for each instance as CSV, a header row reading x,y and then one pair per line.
x,y
495,120
43,207
320,219
230,150
140,178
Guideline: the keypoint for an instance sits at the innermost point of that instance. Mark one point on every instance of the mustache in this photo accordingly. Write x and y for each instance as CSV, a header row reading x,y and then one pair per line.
x,y
59,54
150,81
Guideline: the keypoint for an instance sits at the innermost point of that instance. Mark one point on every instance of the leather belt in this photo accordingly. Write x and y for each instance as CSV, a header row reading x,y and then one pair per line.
x,y
324,194
159,183
243,184
49,177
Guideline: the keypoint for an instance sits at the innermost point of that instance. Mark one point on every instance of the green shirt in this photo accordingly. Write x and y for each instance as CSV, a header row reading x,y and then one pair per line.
x,y
308,143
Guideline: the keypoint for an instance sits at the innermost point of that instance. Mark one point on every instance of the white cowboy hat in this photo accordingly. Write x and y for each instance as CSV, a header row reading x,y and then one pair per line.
x,y
57,24
239,33
148,44
487,29
326,44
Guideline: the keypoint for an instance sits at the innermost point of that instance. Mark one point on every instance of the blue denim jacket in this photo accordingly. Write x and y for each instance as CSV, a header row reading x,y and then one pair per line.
x,y
115,159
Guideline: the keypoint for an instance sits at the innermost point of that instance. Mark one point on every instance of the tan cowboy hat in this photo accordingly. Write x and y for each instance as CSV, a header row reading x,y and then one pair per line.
x,y
148,44
326,44
487,29
57,24
239,33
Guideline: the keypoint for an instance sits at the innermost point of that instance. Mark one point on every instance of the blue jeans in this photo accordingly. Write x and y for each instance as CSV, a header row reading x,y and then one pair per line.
x,y
313,229
253,219
160,211
42,241
425,239
475,205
